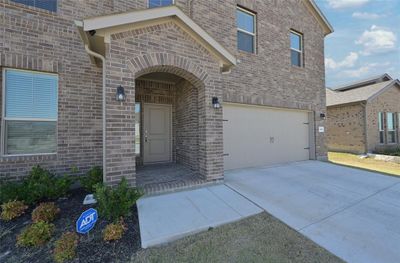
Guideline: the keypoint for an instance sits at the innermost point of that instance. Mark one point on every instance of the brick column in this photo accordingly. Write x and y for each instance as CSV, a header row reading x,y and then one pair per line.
x,y
120,122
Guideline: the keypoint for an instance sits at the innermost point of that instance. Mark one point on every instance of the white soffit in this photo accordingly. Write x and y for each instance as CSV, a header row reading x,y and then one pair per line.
x,y
106,25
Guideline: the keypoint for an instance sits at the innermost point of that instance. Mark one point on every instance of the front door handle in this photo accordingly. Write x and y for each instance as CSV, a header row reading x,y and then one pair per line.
x,y
145,136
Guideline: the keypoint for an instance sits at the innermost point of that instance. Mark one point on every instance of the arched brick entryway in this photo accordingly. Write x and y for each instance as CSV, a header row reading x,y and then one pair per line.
x,y
121,118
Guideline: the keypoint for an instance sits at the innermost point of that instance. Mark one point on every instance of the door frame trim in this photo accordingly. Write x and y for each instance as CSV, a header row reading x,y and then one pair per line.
x,y
170,132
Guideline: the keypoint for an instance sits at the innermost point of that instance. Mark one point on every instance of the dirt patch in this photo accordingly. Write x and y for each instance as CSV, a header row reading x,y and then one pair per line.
x,y
90,249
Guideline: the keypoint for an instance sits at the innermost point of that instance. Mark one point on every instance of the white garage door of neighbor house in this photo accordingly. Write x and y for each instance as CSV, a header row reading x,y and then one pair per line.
x,y
256,136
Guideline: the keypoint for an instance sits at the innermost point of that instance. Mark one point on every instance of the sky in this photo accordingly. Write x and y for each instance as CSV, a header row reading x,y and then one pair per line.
x,y
366,41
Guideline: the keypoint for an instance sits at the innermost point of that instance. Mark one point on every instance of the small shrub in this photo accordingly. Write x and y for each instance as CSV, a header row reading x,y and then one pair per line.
x,y
93,176
12,209
65,247
114,203
39,185
36,234
44,185
45,212
114,231
10,191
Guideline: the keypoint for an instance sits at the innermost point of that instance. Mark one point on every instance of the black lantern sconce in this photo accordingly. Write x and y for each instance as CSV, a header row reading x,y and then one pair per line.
x,y
215,103
322,116
120,95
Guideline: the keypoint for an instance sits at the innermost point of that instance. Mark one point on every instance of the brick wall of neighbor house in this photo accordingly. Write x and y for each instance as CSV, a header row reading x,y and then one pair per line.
x,y
345,129
386,102
31,38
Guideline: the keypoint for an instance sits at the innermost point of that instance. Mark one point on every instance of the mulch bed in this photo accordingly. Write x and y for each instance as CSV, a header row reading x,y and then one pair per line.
x,y
90,249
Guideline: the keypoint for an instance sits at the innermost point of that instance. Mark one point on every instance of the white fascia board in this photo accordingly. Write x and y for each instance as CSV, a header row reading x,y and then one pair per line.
x,y
117,20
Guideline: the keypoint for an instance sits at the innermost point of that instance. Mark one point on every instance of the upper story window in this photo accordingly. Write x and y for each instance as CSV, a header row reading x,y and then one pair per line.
x,y
391,127
50,5
30,110
296,48
159,3
381,127
246,30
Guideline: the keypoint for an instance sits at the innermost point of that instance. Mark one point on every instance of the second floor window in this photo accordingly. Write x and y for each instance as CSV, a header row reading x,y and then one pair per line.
x,y
50,5
159,3
296,48
246,30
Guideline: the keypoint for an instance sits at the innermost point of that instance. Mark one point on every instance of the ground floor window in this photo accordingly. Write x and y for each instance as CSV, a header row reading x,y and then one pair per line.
x,y
381,125
391,127
30,110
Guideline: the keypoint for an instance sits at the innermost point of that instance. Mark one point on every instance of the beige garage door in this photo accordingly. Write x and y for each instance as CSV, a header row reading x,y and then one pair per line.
x,y
256,136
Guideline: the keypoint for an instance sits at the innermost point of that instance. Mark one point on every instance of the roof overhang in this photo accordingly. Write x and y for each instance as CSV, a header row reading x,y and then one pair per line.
x,y
317,13
97,31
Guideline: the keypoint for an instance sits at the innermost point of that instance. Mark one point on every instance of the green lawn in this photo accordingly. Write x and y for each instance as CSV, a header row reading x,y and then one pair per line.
x,y
260,238
366,163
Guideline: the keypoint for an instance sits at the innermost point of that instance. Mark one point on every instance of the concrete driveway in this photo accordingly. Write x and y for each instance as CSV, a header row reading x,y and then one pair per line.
x,y
354,214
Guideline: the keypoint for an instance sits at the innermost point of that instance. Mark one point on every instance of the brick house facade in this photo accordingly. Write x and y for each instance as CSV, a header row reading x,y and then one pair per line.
x,y
205,65
353,123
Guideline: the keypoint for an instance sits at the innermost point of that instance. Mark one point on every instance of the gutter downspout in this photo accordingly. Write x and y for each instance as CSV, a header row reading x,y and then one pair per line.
x,y
103,60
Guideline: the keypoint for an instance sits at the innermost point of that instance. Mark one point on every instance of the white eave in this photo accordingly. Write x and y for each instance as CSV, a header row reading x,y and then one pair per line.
x,y
105,26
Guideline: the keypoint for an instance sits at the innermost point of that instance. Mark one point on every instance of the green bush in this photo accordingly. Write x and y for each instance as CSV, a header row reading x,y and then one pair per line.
x,y
114,203
392,152
12,209
10,191
45,212
35,235
39,185
65,247
114,231
93,176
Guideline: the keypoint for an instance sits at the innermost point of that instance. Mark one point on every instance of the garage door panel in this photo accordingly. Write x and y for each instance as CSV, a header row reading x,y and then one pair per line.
x,y
255,136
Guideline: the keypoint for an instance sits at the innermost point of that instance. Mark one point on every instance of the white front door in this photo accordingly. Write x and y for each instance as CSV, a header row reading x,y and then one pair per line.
x,y
157,133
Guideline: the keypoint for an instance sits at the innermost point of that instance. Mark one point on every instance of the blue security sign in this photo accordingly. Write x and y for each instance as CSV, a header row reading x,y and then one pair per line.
x,y
86,221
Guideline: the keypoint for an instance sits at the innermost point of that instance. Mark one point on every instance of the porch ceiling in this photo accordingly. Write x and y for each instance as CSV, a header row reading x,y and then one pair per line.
x,y
97,30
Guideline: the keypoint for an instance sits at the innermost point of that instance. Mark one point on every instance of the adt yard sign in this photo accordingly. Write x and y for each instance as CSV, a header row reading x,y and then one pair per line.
x,y
86,221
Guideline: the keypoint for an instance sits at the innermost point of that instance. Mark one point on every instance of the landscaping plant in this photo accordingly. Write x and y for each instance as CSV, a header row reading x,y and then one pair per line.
x,y
39,185
114,231
114,203
12,209
10,191
36,234
93,176
65,247
45,212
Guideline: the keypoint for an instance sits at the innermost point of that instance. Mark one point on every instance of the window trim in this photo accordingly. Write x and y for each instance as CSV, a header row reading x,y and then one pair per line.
x,y
381,115
148,4
253,34
296,50
394,127
4,118
36,8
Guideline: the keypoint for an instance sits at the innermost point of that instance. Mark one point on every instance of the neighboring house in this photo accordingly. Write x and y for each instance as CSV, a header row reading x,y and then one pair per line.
x,y
167,70
364,116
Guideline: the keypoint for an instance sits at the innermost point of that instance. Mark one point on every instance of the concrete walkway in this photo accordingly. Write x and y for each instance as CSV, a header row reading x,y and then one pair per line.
x,y
354,214
171,216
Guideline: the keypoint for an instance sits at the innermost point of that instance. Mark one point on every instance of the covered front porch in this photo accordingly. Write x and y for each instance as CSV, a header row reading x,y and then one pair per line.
x,y
161,81
166,132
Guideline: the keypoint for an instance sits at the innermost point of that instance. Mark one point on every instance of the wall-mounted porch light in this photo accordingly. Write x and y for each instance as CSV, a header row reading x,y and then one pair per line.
x,y
322,116
216,103
120,95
